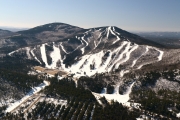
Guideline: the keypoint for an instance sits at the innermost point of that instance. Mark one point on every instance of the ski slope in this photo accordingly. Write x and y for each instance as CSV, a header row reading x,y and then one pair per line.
x,y
43,54
116,96
55,55
34,56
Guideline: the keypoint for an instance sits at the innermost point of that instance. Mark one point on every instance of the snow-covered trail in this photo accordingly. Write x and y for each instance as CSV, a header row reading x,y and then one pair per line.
x,y
109,30
117,57
160,54
35,55
34,90
147,49
28,52
82,49
55,55
63,48
117,62
43,54
134,62
84,64
127,53
115,31
116,96
159,57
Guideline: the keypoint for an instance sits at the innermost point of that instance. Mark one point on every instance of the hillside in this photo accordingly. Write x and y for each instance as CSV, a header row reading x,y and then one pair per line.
x,y
107,70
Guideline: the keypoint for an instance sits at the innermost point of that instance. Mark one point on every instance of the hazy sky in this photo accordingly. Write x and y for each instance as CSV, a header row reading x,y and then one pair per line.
x,y
131,15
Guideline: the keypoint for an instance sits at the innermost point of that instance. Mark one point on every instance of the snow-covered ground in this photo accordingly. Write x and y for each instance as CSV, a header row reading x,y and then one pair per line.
x,y
116,96
43,54
55,55
178,115
82,49
62,47
34,90
35,55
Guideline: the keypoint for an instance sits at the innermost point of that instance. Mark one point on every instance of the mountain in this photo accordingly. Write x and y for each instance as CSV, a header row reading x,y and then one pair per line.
x,y
5,33
100,71
168,39
37,35
106,49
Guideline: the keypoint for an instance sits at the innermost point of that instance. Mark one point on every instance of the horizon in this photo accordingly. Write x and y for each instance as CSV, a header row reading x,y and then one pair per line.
x,y
15,29
138,16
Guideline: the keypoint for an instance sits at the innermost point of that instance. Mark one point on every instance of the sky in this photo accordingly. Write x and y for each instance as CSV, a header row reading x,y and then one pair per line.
x,y
130,15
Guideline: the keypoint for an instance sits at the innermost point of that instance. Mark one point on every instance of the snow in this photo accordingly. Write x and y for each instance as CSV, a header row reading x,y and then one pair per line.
x,y
12,52
63,48
43,55
107,29
160,54
116,57
159,57
34,90
83,65
34,55
82,49
98,43
27,52
115,31
127,53
178,115
55,55
116,96
147,49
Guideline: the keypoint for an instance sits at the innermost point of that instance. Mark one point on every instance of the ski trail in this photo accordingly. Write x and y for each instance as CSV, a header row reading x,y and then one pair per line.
x,y
12,52
160,54
27,52
35,55
123,72
104,67
125,60
114,60
107,29
55,55
43,55
147,49
116,96
95,44
112,32
115,31
159,57
98,43
134,62
121,55
82,49
63,48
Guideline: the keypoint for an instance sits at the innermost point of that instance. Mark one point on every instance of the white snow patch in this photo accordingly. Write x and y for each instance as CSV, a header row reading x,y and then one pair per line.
x,y
55,55
115,31
160,54
147,49
43,55
82,49
117,57
127,52
32,92
35,55
63,48
116,96
178,115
